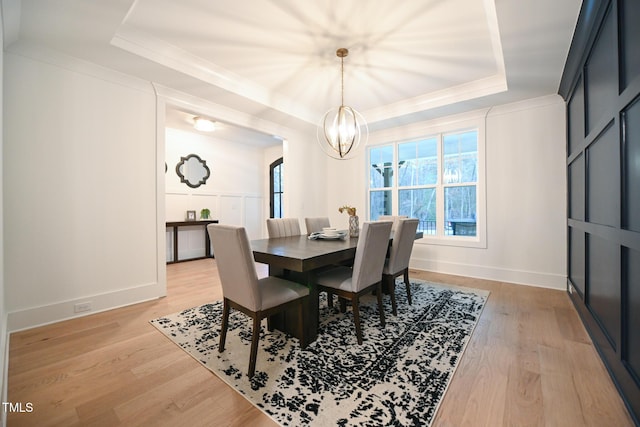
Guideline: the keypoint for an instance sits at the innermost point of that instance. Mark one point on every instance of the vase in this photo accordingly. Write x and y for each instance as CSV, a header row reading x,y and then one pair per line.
x,y
354,226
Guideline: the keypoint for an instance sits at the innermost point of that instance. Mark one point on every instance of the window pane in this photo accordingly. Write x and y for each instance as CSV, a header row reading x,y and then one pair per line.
x,y
277,179
381,167
419,204
460,158
418,163
460,210
379,203
277,205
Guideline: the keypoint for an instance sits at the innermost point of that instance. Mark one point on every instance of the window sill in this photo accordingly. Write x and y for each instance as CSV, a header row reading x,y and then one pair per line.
x,y
459,241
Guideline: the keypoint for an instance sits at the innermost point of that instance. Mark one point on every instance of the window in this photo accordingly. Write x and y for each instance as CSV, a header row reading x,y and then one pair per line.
x,y
435,179
275,188
380,181
460,179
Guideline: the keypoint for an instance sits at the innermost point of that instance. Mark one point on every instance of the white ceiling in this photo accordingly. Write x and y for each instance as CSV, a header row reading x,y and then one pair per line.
x,y
272,63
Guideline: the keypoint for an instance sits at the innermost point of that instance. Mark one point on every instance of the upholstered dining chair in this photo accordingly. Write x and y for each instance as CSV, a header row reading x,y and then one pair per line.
x,y
243,291
394,218
283,227
316,224
398,262
366,274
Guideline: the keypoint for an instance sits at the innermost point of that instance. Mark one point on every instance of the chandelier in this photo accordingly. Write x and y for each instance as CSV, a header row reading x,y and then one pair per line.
x,y
342,128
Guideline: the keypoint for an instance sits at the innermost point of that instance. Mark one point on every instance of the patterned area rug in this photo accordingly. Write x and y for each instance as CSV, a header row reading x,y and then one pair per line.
x,y
397,377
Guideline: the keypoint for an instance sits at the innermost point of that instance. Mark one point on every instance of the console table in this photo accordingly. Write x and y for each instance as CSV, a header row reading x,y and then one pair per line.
x,y
207,244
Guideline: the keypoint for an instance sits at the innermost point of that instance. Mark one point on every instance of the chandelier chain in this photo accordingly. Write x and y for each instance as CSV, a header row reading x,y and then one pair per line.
x,y
342,81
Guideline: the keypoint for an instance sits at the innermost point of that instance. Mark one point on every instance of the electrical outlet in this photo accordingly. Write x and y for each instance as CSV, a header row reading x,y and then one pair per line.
x,y
82,306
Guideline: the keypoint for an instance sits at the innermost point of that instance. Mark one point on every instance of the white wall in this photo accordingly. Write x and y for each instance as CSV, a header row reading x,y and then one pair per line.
x,y
307,180
80,197
525,190
233,193
347,184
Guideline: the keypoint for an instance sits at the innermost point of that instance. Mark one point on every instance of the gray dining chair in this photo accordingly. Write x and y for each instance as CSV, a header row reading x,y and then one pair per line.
x,y
398,262
394,218
283,227
366,274
316,224
243,291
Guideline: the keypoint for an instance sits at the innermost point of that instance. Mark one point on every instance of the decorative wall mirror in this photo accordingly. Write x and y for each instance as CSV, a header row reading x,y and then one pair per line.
x,y
193,171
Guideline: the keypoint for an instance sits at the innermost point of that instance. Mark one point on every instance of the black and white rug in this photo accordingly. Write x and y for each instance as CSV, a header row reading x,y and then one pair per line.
x,y
398,376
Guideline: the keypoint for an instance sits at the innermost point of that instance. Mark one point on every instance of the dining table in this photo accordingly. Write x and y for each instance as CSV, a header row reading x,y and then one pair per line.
x,y
299,258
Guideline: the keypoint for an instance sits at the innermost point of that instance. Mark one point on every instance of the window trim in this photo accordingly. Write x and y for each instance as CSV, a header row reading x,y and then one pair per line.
x,y
438,130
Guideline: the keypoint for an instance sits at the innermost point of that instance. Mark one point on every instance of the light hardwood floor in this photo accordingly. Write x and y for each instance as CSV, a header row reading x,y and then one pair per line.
x,y
529,363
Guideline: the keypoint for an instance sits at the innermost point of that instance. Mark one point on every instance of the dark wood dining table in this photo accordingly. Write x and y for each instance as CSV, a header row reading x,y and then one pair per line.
x,y
300,259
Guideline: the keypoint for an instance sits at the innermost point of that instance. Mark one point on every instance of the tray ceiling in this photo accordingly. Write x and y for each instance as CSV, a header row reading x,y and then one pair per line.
x,y
274,62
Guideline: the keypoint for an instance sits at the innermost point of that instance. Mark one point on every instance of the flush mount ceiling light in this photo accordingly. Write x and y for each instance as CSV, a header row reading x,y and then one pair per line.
x,y
204,125
342,128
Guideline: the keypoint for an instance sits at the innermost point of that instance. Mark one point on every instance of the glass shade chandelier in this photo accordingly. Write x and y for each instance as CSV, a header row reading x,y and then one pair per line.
x,y
342,128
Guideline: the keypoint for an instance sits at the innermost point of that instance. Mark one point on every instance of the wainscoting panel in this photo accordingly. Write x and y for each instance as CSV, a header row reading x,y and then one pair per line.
x,y
601,85
576,110
603,178
601,74
231,210
169,245
632,350
191,242
629,12
253,216
603,291
577,188
631,126
577,267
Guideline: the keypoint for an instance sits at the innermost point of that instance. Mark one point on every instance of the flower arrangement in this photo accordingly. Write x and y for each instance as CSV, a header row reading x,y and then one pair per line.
x,y
350,210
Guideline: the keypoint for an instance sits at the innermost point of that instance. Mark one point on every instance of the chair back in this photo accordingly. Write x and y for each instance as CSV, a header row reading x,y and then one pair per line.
x,y
370,254
316,224
236,266
283,227
403,238
394,218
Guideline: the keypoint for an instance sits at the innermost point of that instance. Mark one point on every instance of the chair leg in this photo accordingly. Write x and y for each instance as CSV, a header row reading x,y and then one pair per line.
x,y
391,286
356,317
343,304
379,287
255,337
407,284
223,327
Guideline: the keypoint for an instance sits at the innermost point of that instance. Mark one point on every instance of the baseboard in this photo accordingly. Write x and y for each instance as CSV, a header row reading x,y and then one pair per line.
x,y
521,277
51,313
